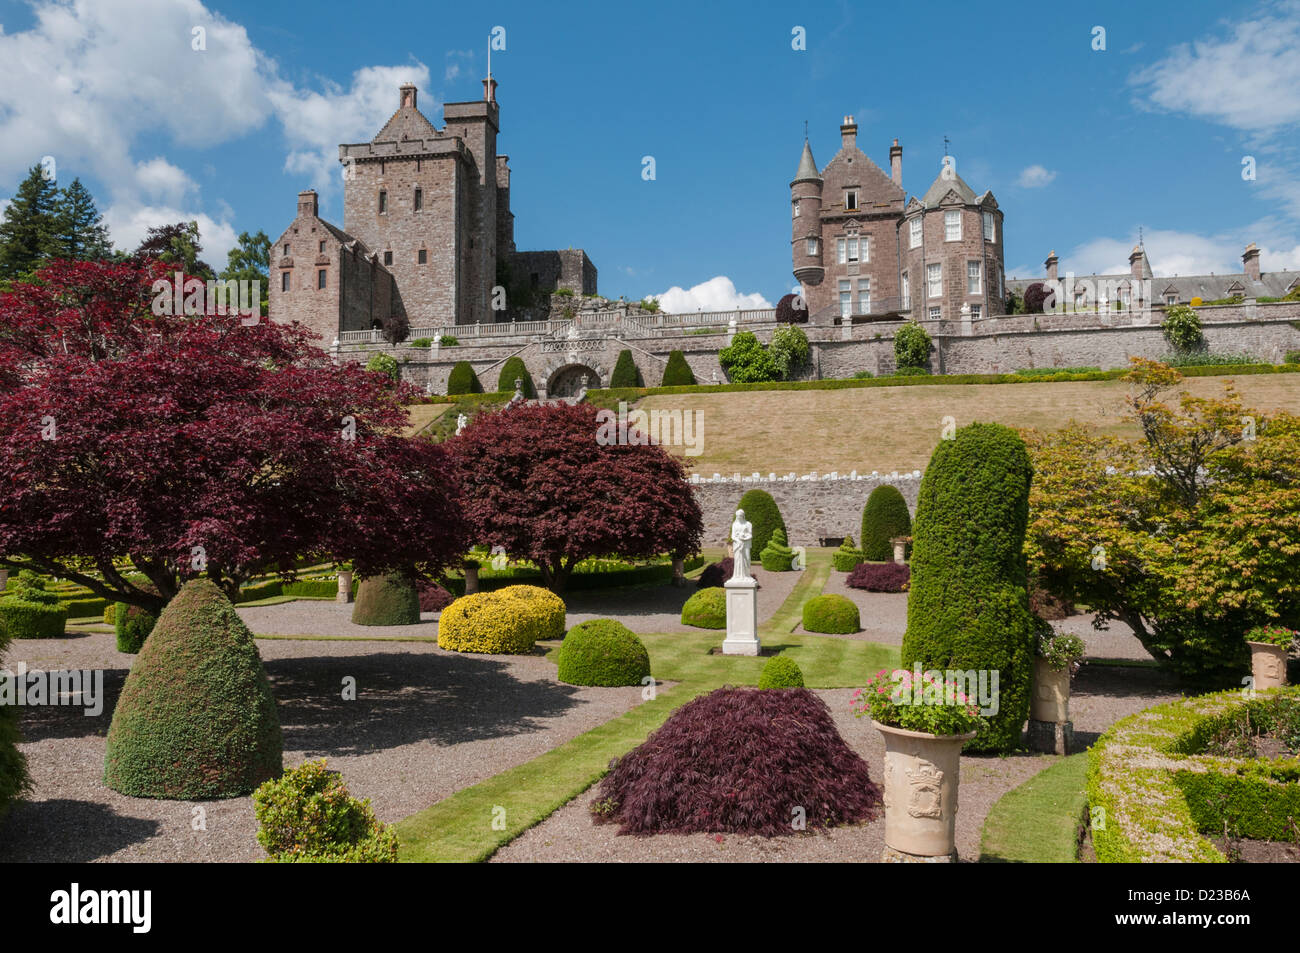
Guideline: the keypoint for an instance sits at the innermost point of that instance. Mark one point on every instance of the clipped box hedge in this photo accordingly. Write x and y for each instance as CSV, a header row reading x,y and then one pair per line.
x,y
1154,796
23,619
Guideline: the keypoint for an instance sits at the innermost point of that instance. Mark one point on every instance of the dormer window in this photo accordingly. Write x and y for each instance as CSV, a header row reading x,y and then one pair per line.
x,y
383,202
850,200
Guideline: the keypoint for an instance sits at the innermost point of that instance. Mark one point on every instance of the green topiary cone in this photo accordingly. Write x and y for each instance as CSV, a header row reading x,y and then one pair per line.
x,y
196,719
386,600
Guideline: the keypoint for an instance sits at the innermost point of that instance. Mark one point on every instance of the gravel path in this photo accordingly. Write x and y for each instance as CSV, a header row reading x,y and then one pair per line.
x,y
1102,695
425,724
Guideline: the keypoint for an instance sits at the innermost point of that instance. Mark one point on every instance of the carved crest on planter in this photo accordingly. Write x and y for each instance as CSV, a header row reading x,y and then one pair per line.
x,y
925,797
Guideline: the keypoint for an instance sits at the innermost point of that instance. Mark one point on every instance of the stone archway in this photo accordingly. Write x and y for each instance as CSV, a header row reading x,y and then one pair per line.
x,y
568,379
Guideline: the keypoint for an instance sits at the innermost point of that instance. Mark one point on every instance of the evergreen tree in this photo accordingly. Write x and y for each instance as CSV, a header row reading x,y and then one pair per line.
x,y
28,234
250,260
80,230
178,245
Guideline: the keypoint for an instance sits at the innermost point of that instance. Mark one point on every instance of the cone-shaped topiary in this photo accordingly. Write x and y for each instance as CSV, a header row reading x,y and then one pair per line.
x,y
625,373
707,609
776,555
513,370
847,556
602,652
781,671
968,609
463,380
14,779
677,373
884,517
742,761
831,614
196,719
386,600
763,515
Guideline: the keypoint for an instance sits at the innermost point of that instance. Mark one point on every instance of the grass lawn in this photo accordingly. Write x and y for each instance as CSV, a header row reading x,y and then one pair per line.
x,y
422,415
897,428
1038,822
460,828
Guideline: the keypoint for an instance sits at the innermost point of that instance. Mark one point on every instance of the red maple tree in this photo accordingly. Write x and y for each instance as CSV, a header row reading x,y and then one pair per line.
x,y
198,445
536,482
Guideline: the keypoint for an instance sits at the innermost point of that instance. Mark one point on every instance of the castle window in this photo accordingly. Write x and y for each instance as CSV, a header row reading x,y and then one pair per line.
x,y
388,258
422,257
997,291
840,254
952,226
322,248
988,227
975,312
846,299
936,314
851,200
973,278
284,280
1171,299
934,280
383,202
812,246
419,199
864,296
322,277
907,292
794,209
915,227
286,248
853,248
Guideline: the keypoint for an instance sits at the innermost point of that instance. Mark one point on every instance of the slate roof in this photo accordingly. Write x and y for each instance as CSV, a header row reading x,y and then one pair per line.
x,y
807,167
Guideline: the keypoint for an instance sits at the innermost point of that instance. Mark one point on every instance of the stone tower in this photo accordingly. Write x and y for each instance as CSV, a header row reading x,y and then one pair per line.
x,y
805,223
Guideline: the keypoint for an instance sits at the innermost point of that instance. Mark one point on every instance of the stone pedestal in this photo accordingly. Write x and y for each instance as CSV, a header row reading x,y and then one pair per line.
x,y
471,579
742,617
900,549
1050,737
1050,728
345,587
1267,664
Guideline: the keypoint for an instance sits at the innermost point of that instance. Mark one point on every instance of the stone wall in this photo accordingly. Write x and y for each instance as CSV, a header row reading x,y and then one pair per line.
x,y
814,506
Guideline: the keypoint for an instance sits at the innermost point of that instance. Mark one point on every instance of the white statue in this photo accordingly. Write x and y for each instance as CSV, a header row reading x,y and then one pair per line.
x,y
461,423
742,535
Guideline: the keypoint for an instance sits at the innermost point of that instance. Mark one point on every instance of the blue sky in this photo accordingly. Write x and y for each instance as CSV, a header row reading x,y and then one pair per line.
x,y
1081,147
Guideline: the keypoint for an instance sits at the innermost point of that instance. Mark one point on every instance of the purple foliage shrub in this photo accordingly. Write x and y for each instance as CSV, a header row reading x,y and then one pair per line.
x,y
715,574
434,598
739,760
880,577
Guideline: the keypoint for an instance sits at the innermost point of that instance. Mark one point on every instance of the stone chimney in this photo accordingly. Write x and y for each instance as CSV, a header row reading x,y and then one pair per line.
x,y
848,133
489,90
896,163
1250,261
1051,264
308,204
406,96
1139,268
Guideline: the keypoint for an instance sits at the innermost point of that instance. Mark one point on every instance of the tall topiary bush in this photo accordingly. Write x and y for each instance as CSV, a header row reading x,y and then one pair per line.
x,y
463,380
847,556
196,719
884,517
764,516
14,780
513,370
625,373
677,373
968,608
386,600
911,346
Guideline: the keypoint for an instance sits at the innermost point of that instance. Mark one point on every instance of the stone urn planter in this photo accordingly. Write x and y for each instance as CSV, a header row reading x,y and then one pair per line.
x,y
345,587
900,549
1050,728
921,777
1267,664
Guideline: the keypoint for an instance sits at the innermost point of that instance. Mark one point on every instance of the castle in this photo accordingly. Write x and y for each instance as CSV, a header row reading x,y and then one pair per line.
x,y
427,236
859,247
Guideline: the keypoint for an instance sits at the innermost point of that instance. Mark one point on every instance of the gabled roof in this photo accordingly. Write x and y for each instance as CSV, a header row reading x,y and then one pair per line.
x,y
407,123
948,182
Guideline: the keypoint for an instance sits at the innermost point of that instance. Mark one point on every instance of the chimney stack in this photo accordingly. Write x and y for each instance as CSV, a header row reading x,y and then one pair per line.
x,y
406,94
489,90
1250,261
1138,266
1051,263
896,163
308,204
848,133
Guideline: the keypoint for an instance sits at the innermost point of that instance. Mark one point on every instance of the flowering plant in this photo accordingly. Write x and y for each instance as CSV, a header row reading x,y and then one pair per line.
x,y
1272,635
900,699
1061,650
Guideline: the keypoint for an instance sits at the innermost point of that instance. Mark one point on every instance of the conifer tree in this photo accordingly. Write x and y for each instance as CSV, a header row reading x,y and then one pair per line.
x,y
28,234
80,231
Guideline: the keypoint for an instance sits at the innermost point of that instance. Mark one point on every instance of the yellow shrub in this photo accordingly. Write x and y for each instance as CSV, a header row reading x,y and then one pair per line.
x,y
506,622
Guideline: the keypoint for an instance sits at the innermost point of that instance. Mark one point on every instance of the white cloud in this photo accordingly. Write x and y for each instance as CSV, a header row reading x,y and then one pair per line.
x,y
1034,177
1172,252
716,294
159,179
1246,76
129,223
457,60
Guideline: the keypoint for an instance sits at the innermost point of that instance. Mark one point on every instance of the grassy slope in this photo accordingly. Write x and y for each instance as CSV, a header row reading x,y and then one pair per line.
x,y
1038,822
459,828
897,428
